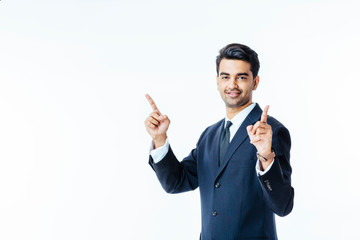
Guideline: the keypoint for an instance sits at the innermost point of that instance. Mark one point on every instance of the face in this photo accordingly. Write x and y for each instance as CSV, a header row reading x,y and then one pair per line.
x,y
236,83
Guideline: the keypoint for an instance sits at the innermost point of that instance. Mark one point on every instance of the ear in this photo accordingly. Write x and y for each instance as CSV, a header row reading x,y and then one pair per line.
x,y
217,82
256,83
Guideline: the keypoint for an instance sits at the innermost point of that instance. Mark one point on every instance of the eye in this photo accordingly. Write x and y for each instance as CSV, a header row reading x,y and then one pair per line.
x,y
242,78
225,77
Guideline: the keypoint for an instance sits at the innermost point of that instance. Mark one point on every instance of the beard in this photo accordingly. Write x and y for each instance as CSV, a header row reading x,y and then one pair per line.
x,y
234,98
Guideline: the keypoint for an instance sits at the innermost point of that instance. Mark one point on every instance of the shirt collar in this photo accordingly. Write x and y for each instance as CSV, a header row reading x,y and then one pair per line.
x,y
240,117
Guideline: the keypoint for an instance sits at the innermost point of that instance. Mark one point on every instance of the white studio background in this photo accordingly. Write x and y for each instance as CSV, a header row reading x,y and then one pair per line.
x,y
73,147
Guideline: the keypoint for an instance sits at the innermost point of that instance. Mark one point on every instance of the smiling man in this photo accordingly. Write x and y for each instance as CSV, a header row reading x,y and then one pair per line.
x,y
241,164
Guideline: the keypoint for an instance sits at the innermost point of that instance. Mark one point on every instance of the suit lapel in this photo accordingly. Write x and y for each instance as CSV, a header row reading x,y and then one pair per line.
x,y
240,136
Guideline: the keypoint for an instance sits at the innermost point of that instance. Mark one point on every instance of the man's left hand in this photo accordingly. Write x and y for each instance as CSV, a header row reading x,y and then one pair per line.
x,y
260,135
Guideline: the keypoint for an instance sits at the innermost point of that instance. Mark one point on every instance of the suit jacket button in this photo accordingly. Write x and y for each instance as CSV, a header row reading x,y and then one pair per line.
x,y
214,213
217,185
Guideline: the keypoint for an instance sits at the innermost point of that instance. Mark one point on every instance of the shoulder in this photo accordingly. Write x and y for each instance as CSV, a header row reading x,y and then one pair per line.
x,y
214,127
211,130
281,134
275,124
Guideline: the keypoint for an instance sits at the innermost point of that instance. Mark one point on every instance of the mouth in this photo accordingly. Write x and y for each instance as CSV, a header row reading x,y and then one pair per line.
x,y
233,93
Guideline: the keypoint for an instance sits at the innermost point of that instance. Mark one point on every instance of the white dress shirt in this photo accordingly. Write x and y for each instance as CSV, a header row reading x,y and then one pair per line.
x,y
159,153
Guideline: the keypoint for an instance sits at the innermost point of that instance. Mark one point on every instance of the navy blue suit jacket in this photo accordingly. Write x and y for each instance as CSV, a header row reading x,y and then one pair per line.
x,y
235,202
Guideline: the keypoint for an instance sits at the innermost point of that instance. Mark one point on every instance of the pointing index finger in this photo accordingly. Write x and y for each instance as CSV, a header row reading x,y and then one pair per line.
x,y
152,103
264,114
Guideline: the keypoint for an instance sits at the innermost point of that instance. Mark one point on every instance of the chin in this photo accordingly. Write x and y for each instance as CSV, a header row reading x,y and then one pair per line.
x,y
236,104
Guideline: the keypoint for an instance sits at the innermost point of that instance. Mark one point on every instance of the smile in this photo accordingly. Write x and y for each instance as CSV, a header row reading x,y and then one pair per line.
x,y
233,93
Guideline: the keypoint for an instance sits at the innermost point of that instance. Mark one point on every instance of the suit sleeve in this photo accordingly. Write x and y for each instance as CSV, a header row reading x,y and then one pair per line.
x,y
276,183
175,176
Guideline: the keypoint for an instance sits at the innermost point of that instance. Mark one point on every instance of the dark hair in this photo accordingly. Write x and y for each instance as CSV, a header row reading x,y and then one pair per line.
x,y
239,52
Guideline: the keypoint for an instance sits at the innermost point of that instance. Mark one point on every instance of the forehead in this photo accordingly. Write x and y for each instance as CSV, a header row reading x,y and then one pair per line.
x,y
234,66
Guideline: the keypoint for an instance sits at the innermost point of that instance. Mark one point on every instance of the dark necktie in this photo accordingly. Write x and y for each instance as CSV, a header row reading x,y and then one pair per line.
x,y
224,141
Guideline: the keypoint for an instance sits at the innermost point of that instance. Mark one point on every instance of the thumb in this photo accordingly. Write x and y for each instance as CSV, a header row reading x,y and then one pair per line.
x,y
249,128
249,131
165,118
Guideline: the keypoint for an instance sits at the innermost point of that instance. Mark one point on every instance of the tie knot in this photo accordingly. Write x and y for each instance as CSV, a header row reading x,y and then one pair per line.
x,y
228,125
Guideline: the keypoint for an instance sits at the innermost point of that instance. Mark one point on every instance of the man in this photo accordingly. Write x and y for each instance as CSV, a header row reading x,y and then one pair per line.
x,y
241,164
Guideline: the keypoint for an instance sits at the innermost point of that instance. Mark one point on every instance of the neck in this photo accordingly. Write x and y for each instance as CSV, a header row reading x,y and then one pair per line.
x,y
232,111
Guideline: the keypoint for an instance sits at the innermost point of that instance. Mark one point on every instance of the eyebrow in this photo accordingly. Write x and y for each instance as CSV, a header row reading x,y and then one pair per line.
x,y
238,74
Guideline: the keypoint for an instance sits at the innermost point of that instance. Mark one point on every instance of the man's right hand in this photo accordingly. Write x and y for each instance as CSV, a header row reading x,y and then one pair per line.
x,y
156,124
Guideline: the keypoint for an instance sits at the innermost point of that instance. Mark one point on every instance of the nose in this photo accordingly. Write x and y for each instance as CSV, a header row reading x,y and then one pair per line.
x,y
233,83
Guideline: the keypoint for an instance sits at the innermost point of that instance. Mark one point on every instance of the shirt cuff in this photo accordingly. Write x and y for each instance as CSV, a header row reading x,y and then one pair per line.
x,y
259,172
159,153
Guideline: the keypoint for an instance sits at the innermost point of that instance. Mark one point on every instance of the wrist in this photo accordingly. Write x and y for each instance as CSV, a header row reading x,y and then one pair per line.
x,y
159,141
266,164
266,152
265,157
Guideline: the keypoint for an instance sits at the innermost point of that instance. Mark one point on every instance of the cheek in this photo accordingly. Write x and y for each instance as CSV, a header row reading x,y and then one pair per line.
x,y
220,86
247,88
